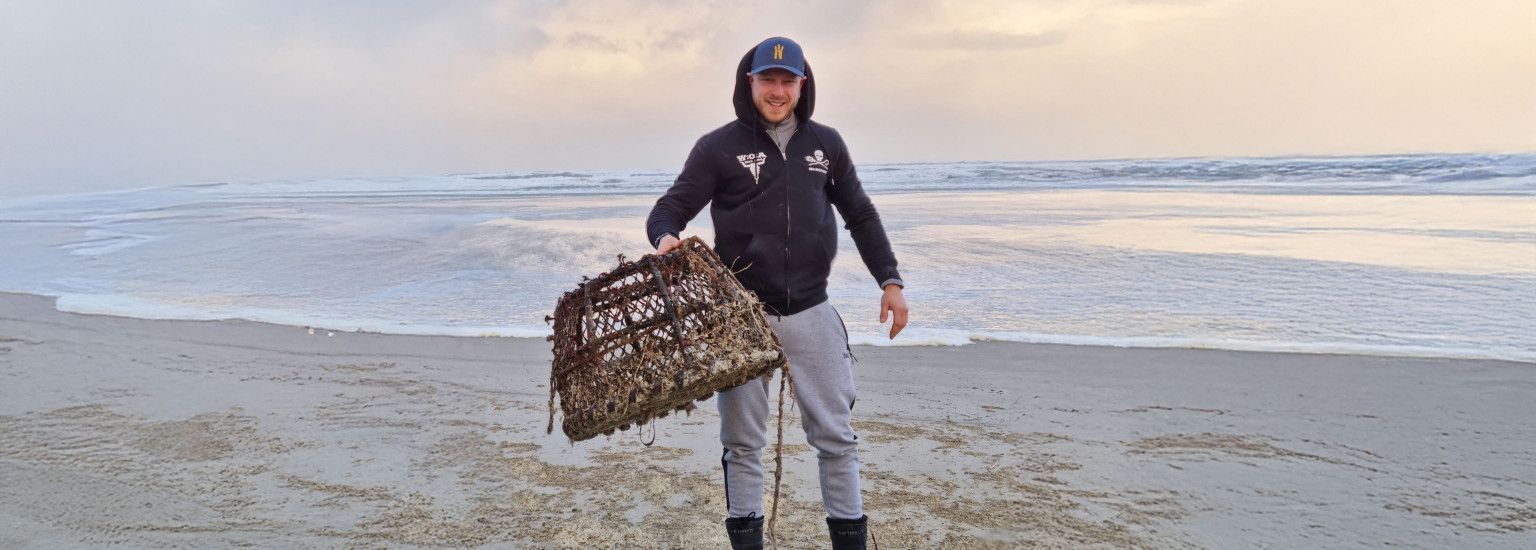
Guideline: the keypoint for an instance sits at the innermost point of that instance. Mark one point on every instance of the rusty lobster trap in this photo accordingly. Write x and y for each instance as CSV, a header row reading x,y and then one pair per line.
x,y
653,336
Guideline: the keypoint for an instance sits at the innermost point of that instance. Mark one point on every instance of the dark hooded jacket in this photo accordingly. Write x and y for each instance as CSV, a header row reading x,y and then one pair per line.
x,y
775,226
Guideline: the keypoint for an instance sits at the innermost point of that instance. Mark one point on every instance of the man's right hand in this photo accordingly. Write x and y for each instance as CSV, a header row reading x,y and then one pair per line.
x,y
667,244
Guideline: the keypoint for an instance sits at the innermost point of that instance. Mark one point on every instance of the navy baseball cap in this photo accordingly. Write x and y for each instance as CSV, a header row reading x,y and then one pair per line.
x,y
778,53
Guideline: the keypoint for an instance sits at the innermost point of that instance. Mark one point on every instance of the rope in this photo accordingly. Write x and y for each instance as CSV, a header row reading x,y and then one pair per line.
x,y
550,428
677,325
586,312
778,460
640,433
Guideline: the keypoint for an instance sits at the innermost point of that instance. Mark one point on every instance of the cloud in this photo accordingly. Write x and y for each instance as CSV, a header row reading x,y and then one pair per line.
x,y
988,40
159,92
586,40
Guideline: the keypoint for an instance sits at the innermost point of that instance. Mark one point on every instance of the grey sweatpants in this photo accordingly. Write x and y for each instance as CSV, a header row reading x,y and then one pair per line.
x,y
816,345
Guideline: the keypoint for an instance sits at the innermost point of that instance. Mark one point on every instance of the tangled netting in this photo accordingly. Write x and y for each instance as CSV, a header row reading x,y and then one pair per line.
x,y
653,336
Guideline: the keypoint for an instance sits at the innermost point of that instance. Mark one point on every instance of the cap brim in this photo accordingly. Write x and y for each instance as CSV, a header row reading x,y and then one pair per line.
x,y
797,71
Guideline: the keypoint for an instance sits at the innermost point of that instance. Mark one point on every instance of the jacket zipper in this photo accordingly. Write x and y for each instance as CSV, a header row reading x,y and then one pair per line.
x,y
784,182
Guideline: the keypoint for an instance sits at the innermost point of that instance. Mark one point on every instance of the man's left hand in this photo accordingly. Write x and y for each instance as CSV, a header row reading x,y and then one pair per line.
x,y
894,306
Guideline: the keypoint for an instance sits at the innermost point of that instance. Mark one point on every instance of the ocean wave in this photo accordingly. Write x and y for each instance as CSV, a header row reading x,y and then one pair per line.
x,y
1512,174
127,306
97,242
943,337
1157,247
140,308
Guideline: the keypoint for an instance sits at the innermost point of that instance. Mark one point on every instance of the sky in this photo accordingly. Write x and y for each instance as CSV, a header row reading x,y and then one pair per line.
x,y
110,95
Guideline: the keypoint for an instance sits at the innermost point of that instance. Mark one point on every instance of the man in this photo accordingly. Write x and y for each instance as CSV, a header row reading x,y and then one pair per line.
x,y
774,224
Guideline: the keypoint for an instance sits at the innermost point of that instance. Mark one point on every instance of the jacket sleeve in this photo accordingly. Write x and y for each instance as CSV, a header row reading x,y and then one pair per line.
x,y
847,194
694,188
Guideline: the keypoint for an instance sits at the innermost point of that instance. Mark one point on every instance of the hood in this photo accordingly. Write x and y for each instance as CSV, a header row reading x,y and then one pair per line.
x,y
742,96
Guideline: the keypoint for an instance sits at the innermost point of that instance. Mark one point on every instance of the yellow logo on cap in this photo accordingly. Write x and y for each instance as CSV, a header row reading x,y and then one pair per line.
x,y
778,51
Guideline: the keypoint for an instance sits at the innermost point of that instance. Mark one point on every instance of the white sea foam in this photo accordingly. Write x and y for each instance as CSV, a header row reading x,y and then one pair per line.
x,y
940,337
99,242
125,306
1428,255
139,308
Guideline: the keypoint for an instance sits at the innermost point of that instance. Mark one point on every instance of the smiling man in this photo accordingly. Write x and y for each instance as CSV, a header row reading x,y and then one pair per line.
x,y
774,224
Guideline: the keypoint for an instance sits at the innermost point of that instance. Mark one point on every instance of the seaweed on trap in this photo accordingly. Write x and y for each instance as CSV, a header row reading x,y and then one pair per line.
x,y
653,336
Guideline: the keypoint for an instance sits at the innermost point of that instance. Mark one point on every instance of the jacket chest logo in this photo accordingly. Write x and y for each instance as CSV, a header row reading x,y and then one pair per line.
x,y
753,162
817,162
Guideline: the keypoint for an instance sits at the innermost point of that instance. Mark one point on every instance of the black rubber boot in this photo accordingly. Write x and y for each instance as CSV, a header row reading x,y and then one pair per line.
x,y
745,533
848,534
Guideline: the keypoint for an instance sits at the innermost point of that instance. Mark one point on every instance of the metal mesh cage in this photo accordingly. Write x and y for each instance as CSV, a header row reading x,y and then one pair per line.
x,y
653,336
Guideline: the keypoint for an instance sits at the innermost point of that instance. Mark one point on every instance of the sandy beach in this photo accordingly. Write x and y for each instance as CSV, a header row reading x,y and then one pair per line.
x,y
209,434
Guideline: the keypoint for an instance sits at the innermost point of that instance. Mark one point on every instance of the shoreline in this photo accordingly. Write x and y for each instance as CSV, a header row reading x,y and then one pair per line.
x,y
952,340
116,430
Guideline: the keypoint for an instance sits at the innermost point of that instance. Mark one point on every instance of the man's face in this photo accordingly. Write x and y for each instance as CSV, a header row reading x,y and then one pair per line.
x,y
775,92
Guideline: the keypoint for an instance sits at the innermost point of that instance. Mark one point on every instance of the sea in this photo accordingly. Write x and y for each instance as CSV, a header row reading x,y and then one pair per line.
x,y
1403,255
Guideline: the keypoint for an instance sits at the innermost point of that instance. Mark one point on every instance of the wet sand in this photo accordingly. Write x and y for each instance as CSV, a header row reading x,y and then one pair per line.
x,y
145,433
